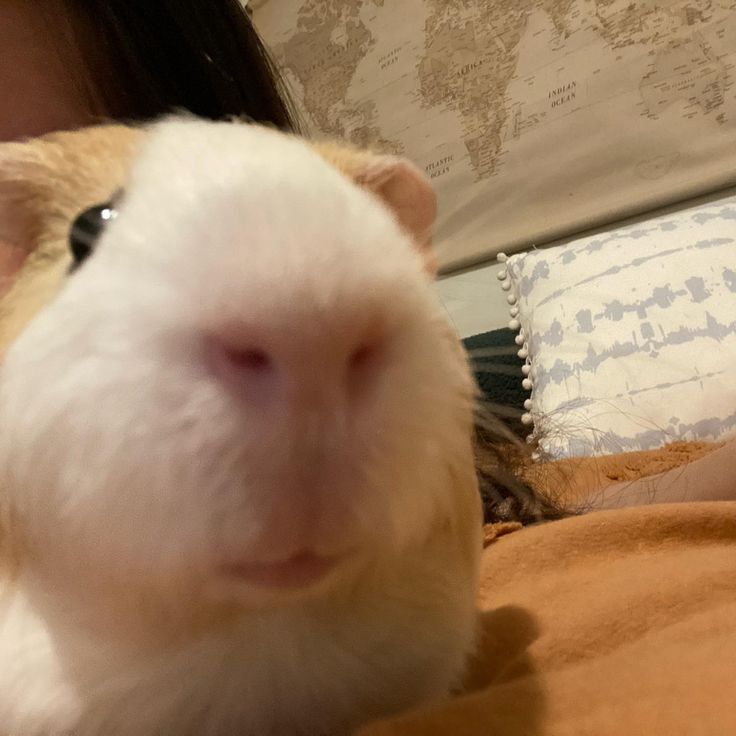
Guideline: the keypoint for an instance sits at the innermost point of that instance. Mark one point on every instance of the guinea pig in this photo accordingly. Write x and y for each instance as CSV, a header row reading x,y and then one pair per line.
x,y
237,484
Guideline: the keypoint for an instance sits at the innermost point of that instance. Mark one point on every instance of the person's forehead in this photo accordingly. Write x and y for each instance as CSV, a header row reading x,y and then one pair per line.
x,y
41,85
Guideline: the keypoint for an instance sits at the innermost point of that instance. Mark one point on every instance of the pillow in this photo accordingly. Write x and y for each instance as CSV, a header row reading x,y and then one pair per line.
x,y
630,336
536,120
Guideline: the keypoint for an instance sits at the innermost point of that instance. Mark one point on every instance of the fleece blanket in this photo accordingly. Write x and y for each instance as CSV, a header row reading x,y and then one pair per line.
x,y
609,623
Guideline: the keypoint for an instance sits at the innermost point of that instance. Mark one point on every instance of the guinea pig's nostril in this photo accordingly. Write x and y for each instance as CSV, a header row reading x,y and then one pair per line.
x,y
250,359
362,356
241,366
365,365
367,358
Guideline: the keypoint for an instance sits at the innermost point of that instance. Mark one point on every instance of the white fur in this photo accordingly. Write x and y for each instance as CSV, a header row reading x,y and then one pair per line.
x,y
130,470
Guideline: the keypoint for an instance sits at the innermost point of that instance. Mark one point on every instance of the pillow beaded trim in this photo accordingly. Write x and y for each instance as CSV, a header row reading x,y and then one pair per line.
x,y
515,324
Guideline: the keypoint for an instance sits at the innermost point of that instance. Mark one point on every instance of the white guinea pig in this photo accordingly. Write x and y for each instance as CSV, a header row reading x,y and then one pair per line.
x,y
236,470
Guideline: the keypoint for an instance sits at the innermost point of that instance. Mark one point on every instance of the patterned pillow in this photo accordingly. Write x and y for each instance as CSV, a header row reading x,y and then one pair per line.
x,y
630,336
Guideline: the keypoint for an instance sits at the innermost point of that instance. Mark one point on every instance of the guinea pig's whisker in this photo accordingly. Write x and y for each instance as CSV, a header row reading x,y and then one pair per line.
x,y
492,352
504,370
489,422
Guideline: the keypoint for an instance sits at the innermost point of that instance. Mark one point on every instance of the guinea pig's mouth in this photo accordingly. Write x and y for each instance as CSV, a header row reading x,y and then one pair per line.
x,y
300,570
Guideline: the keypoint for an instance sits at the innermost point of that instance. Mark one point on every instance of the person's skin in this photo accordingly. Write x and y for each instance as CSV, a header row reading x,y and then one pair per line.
x,y
710,478
41,75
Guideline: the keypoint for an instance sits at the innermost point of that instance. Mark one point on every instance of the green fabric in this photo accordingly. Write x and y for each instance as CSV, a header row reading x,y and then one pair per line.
x,y
499,376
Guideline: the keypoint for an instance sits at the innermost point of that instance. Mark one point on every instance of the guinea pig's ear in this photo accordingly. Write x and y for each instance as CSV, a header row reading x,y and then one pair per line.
x,y
399,184
406,191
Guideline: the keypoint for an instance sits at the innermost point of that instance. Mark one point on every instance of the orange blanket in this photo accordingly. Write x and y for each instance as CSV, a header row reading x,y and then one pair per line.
x,y
612,623
618,622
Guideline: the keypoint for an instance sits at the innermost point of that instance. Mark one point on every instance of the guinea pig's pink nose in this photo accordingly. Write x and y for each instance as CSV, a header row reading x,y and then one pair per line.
x,y
297,370
248,360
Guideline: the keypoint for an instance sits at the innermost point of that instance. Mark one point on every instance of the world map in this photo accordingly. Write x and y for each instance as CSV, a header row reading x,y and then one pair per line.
x,y
466,88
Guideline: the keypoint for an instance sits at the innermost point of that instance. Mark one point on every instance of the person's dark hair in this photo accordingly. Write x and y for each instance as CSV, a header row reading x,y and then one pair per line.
x,y
149,57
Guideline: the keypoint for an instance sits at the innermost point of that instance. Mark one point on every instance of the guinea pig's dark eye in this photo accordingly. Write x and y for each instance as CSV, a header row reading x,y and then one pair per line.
x,y
86,229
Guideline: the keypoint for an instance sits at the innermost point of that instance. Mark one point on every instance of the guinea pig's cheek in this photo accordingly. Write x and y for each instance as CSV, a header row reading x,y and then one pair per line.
x,y
87,481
